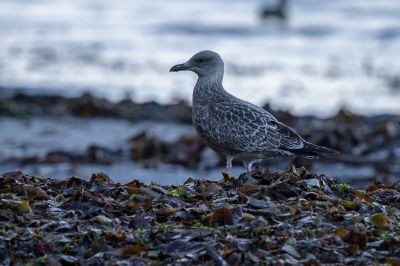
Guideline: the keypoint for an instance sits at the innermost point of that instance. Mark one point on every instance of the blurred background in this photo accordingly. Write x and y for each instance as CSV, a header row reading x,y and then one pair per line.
x,y
85,85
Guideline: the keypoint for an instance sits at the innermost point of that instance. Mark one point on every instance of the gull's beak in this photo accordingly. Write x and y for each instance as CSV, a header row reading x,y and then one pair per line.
x,y
180,67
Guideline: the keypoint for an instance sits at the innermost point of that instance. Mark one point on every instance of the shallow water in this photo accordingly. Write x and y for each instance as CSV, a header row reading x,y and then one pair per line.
x,y
24,139
38,136
330,54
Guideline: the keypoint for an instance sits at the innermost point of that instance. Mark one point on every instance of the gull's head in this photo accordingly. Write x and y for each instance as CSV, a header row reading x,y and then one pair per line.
x,y
204,63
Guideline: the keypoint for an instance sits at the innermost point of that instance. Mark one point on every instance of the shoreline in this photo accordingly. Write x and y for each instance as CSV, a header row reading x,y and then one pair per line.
x,y
20,103
70,136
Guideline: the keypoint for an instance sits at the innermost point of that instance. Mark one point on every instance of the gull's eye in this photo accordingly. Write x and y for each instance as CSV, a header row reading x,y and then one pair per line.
x,y
200,61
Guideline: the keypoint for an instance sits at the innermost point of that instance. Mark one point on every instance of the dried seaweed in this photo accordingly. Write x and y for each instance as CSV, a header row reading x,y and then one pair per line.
x,y
292,218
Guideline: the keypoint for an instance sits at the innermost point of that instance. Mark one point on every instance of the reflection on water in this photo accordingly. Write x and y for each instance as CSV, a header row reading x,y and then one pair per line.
x,y
329,54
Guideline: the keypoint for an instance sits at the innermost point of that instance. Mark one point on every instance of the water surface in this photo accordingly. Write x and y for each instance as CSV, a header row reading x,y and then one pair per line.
x,y
329,55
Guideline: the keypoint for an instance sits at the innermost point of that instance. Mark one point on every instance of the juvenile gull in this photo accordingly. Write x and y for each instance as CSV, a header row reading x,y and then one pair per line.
x,y
236,128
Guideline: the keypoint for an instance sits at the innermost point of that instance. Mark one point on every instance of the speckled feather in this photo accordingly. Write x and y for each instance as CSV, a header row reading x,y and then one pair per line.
x,y
236,128
233,126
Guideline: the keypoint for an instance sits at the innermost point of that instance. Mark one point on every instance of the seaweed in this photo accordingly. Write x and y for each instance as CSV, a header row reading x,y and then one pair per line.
x,y
296,217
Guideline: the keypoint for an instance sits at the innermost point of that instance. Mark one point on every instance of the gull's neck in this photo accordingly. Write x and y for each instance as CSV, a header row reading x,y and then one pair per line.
x,y
209,88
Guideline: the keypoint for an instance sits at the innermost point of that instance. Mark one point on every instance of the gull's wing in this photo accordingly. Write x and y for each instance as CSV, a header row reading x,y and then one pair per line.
x,y
244,127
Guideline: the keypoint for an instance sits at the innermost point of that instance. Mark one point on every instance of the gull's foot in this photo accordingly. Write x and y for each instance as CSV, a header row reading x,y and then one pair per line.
x,y
249,164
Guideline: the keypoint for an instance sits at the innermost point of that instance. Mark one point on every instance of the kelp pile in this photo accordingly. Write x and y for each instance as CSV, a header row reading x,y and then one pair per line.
x,y
295,217
88,105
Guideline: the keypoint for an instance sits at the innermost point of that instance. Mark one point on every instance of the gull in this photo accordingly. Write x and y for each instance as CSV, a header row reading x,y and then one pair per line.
x,y
279,11
235,128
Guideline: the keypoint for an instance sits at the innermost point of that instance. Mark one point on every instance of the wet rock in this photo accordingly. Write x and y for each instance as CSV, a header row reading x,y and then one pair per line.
x,y
89,106
185,151
100,155
54,157
144,147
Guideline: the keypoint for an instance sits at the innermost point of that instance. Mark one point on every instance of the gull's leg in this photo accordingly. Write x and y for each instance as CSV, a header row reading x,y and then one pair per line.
x,y
246,165
249,164
229,159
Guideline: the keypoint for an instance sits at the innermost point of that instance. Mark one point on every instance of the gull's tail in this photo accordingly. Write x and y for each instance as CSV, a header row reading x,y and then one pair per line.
x,y
312,150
